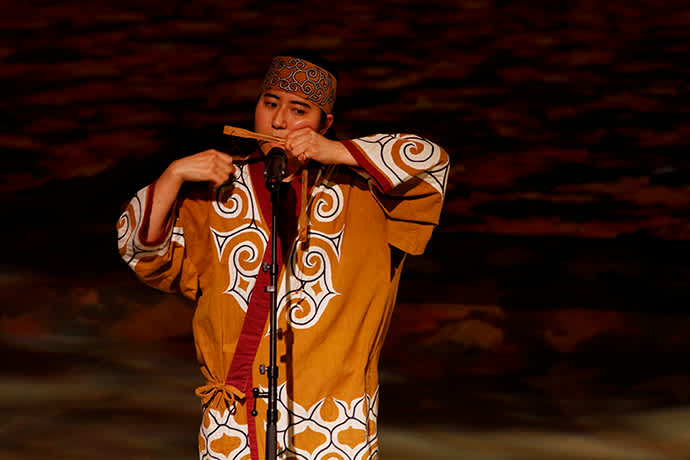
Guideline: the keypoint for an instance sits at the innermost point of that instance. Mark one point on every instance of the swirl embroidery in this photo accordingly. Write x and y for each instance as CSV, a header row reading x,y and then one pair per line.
x,y
247,242
307,287
128,227
328,202
401,156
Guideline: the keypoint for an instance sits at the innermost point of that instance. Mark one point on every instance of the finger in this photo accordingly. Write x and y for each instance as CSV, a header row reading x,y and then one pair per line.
x,y
229,171
225,158
303,156
219,178
220,156
224,168
299,143
300,124
298,133
299,150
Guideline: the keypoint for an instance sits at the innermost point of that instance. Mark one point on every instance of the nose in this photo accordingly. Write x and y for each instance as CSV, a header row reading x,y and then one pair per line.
x,y
279,119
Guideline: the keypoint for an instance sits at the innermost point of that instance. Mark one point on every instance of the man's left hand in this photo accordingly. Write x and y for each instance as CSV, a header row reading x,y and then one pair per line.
x,y
305,144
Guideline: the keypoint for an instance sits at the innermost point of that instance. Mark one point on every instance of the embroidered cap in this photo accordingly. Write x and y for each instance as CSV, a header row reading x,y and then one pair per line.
x,y
303,78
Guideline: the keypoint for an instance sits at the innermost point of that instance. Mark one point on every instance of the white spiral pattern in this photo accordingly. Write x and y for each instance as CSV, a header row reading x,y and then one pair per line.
x,y
234,199
129,224
244,259
236,202
307,287
419,158
399,157
123,229
328,202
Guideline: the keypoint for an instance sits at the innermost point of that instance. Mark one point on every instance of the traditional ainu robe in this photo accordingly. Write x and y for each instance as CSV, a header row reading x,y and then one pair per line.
x,y
336,292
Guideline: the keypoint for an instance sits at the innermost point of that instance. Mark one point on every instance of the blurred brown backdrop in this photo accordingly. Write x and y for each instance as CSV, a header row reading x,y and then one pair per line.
x,y
553,298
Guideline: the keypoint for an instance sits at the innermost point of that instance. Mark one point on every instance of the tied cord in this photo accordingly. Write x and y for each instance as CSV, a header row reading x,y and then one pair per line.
x,y
215,392
302,223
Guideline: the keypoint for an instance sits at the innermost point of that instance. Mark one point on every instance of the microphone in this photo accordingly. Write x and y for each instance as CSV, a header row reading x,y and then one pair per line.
x,y
276,167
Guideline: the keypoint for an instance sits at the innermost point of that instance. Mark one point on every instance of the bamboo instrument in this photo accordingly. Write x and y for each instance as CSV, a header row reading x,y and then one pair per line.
x,y
240,132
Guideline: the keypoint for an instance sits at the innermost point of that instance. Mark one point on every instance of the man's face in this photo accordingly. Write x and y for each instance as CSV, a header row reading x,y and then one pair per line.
x,y
279,112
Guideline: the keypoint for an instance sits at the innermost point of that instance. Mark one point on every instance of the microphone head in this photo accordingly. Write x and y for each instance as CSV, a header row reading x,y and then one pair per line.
x,y
275,167
276,151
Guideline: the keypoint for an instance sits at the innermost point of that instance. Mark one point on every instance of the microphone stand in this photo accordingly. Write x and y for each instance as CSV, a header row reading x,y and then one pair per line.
x,y
274,172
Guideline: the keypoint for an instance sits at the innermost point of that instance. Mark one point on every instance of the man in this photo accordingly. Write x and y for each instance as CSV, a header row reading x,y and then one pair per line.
x,y
203,228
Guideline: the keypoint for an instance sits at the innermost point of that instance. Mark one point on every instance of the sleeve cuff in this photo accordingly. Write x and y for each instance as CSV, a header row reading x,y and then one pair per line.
x,y
143,229
379,179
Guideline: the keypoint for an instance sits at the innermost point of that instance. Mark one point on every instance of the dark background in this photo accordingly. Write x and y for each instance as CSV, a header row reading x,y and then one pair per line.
x,y
547,319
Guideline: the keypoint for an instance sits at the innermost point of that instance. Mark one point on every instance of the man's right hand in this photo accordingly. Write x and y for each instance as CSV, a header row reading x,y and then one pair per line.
x,y
209,165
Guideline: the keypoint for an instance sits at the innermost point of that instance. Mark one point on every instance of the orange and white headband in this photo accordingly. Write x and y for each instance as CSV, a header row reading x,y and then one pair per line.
x,y
302,78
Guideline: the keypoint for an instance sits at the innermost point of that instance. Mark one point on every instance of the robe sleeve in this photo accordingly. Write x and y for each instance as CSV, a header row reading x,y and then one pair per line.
x,y
407,176
161,264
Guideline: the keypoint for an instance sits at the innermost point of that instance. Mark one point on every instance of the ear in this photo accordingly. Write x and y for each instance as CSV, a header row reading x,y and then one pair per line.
x,y
327,125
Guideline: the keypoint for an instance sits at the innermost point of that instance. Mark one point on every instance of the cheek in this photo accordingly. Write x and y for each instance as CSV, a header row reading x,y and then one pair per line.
x,y
311,119
262,122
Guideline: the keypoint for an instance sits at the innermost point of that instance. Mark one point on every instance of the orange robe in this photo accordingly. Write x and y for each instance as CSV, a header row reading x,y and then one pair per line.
x,y
335,299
